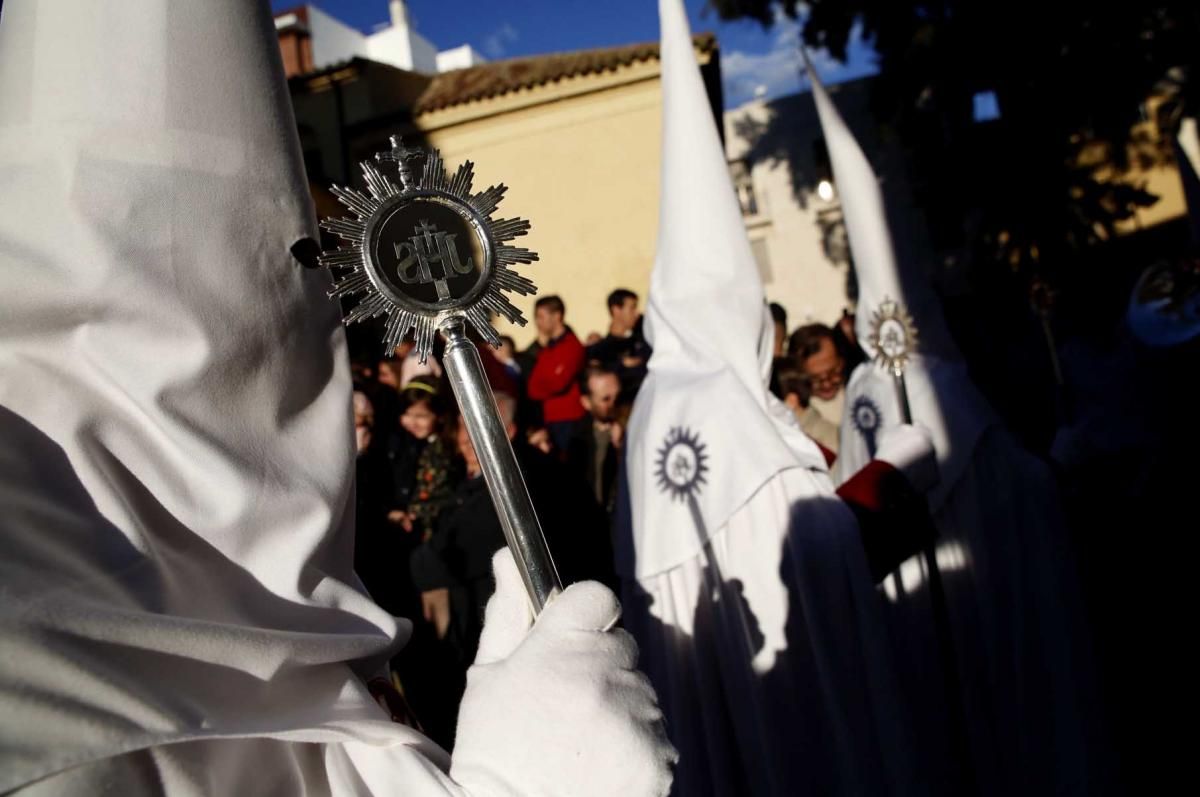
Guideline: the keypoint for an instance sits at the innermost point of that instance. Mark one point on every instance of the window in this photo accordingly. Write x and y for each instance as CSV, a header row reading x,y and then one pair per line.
x,y
743,184
759,248
835,242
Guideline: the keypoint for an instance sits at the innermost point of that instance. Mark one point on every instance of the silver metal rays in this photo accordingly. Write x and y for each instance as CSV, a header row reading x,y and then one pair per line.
x,y
893,335
424,249
428,253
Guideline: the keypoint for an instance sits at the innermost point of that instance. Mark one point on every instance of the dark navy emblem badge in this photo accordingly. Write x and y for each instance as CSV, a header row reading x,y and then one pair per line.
x,y
867,418
681,464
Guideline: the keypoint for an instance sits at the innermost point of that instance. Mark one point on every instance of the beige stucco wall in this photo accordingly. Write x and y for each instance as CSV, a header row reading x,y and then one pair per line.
x,y
581,160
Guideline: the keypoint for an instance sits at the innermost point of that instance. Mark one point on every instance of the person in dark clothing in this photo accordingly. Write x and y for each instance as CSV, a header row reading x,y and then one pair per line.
x,y
421,453
453,569
595,443
529,411
527,357
376,545
826,357
779,316
847,341
401,488
792,387
385,404
387,533
499,375
403,452
506,355
624,350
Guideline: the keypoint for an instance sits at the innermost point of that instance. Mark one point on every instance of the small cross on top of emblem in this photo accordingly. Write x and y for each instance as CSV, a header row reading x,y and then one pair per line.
x,y
401,155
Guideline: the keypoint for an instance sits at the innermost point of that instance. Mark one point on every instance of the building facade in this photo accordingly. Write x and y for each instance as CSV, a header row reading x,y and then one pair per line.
x,y
575,136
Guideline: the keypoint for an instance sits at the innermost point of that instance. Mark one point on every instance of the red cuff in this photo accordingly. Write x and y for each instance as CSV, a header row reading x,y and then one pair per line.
x,y
870,487
893,518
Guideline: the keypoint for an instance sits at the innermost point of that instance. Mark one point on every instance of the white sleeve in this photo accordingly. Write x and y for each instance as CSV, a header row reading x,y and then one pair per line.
x,y
253,766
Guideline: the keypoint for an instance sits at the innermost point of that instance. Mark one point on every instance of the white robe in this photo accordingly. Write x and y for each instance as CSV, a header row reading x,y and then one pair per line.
x,y
176,450
769,654
744,576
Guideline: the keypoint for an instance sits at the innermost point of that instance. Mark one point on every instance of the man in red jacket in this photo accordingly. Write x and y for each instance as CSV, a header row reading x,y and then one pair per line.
x,y
554,378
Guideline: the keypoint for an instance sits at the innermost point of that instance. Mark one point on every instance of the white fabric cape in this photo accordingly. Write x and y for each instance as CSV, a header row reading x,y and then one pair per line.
x,y
704,319
745,581
176,459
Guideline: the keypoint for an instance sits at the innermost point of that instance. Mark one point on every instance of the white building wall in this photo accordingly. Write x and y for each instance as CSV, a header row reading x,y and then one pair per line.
x,y
390,46
333,40
402,47
797,273
459,57
424,54
398,45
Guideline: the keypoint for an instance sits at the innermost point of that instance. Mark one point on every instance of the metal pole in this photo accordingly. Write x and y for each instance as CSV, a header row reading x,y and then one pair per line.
x,y
902,395
499,465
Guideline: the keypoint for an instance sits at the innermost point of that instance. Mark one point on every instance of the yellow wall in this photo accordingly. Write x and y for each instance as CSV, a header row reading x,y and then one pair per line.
x,y
581,160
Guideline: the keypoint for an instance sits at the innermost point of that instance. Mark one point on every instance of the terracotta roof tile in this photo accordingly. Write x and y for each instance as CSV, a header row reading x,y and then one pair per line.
x,y
501,77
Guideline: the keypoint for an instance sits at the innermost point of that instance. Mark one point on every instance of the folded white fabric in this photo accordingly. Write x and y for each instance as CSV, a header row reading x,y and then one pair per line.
x,y
909,449
571,672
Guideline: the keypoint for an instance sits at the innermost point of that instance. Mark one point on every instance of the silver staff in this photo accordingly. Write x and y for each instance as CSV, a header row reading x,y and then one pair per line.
x,y
429,255
893,336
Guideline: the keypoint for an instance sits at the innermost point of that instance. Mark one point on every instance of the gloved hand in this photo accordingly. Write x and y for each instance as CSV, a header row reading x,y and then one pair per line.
x,y
559,708
909,449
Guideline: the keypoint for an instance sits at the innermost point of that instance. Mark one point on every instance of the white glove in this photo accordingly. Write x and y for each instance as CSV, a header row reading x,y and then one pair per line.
x,y
558,709
909,449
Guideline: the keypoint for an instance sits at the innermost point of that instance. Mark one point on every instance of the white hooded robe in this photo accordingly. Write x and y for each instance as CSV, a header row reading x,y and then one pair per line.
x,y
179,612
745,581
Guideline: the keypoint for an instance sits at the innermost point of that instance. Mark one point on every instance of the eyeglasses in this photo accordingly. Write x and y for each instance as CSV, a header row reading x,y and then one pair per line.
x,y
829,377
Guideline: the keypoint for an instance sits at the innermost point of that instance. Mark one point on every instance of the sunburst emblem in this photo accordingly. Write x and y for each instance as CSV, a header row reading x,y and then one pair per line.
x,y
893,335
425,250
866,417
681,463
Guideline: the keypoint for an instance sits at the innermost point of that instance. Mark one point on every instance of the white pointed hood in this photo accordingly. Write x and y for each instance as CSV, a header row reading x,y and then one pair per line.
x,y
708,324
175,407
940,393
879,276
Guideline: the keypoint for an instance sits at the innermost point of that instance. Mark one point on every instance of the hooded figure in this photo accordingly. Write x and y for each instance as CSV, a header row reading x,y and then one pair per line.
x,y
180,615
1017,628
744,575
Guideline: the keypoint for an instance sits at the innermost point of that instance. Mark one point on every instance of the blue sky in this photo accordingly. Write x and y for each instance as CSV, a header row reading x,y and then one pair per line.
x,y
752,59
